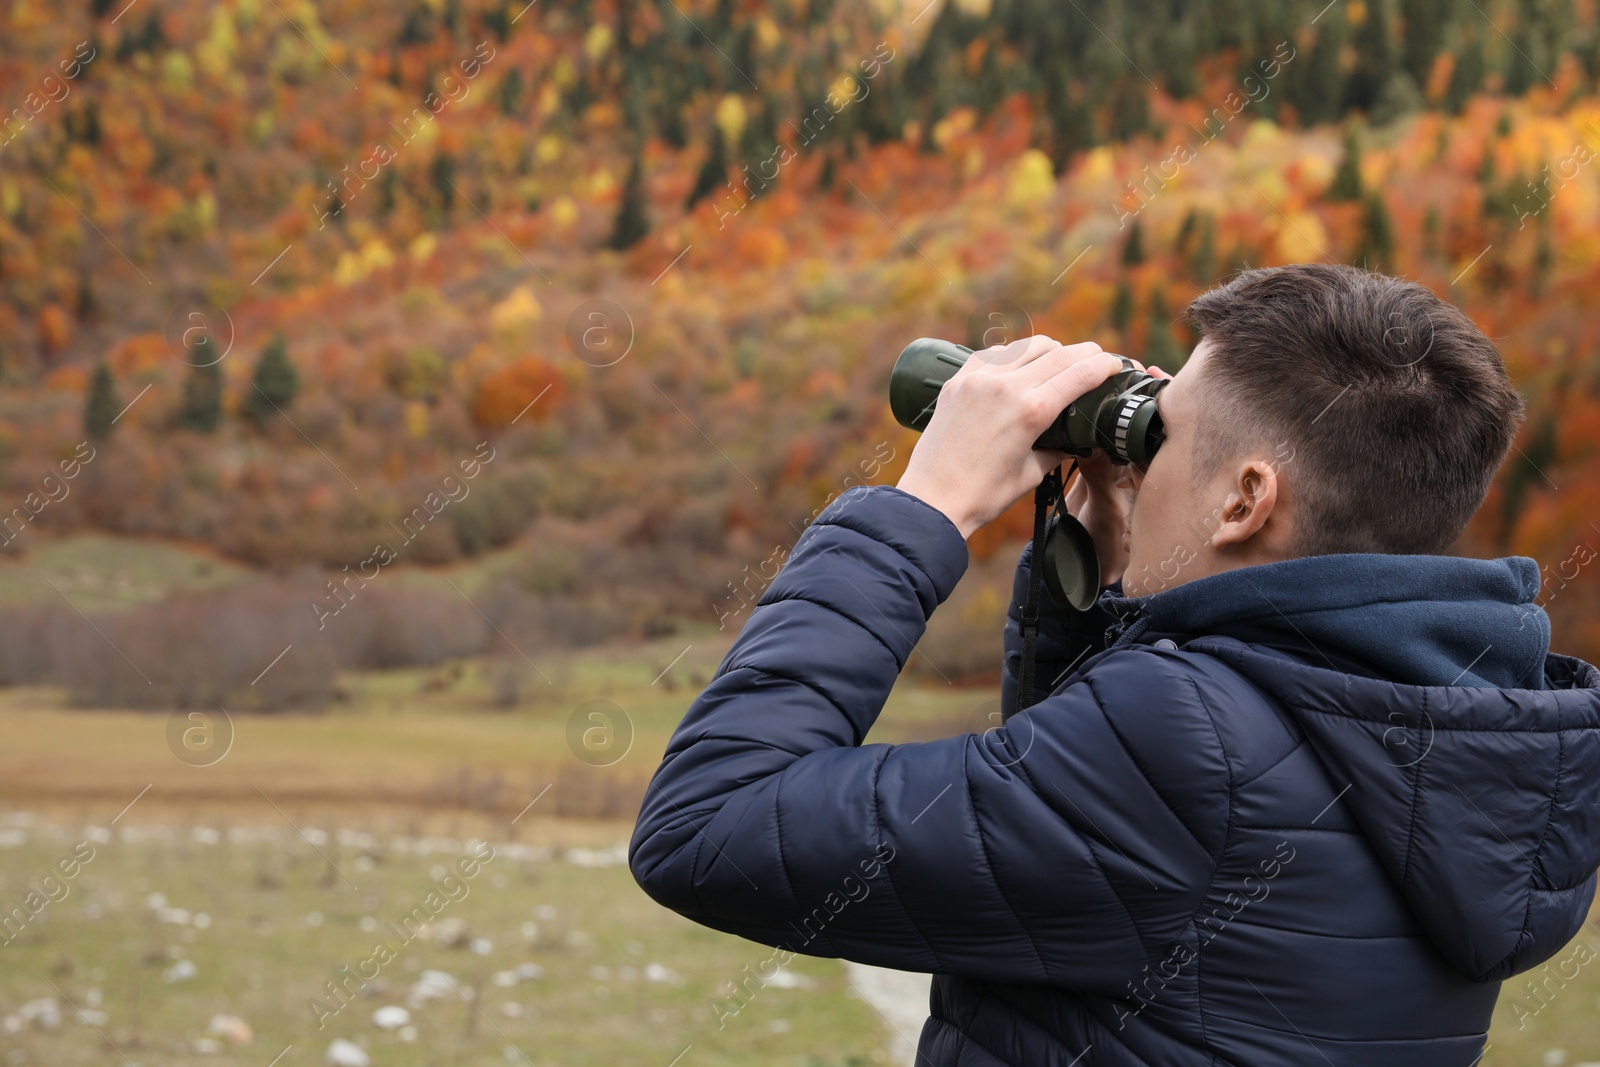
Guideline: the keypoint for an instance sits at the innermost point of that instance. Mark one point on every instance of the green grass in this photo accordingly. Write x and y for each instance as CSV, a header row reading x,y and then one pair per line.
x,y
262,958
101,573
427,736
423,751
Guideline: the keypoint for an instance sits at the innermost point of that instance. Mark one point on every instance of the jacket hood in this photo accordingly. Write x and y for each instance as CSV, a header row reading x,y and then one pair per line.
x,y
1468,754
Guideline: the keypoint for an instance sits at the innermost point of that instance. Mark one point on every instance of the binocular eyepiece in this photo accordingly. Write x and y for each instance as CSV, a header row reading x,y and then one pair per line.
x,y
1118,416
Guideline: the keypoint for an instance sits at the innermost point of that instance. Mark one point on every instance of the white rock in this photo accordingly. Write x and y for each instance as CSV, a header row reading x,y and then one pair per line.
x,y
208,1046
175,916
45,1012
390,1017
93,1017
181,971
367,924
408,1033
202,921
511,1009
655,972
431,985
544,913
156,900
604,857
231,1027
344,1053
1555,1057
529,971
504,978
482,946
783,979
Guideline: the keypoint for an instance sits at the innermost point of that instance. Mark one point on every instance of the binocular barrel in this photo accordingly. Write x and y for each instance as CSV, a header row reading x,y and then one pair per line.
x,y
1118,416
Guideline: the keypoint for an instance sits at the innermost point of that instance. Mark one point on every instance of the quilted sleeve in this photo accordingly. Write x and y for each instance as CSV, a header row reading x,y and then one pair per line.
x,y
1037,852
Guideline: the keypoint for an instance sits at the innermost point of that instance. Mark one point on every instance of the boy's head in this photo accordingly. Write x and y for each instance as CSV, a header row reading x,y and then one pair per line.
x,y
1326,409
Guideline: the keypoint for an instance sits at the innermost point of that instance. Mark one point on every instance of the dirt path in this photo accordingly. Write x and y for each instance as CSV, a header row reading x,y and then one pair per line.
x,y
900,997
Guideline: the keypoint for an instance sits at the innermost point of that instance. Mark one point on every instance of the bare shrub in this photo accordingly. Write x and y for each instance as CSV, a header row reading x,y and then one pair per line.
x,y
248,648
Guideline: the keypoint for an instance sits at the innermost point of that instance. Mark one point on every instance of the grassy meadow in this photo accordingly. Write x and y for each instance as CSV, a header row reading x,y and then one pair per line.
x,y
238,885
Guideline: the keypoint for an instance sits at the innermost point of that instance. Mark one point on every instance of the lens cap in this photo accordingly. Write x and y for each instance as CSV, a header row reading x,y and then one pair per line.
x,y
1071,566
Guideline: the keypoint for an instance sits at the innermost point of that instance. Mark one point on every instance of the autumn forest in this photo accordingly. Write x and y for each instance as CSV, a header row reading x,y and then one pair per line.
x,y
608,291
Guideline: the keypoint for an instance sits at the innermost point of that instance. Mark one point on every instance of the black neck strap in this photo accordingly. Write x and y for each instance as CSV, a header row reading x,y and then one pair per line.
x,y
1047,493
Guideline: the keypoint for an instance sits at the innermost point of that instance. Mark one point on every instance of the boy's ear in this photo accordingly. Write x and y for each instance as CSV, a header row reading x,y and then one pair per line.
x,y
1250,503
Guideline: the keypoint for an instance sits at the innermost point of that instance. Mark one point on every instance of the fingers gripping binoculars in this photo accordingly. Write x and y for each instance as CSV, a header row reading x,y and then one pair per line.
x,y
1118,417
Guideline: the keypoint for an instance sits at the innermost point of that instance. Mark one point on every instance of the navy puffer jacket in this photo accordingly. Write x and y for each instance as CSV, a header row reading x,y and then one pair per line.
x,y
1310,812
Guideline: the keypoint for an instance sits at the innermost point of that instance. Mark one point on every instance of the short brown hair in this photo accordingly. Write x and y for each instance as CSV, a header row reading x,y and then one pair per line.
x,y
1397,406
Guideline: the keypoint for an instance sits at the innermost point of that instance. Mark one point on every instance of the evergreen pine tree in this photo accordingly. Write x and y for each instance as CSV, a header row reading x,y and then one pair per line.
x,y
1400,97
1377,236
713,172
511,91
1160,348
1347,179
1071,129
1202,261
1177,61
632,222
1133,247
274,385
670,118
1186,232
201,407
1122,305
1374,58
1430,232
1316,88
1523,64
1467,73
991,87
1544,259
101,406
1424,22
1587,49
443,172
1129,110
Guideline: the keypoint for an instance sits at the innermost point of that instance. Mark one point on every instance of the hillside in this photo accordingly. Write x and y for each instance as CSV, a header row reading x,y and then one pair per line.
x,y
340,261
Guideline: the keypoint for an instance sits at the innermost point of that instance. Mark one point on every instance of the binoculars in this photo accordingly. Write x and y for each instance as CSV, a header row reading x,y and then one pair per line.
x,y
1119,416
